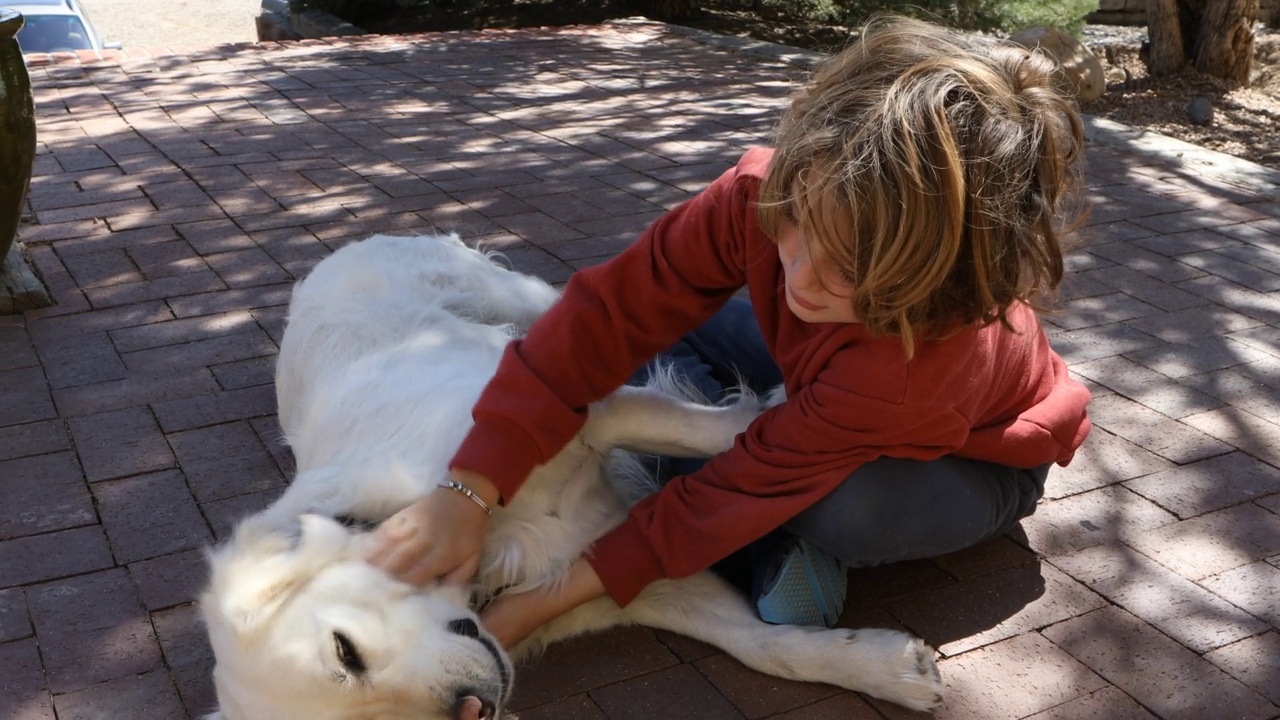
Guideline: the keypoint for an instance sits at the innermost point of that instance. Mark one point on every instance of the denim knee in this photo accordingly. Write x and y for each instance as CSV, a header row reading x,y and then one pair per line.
x,y
893,509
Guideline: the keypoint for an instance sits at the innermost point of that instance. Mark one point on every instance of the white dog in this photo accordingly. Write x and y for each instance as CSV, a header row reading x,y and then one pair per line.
x,y
388,345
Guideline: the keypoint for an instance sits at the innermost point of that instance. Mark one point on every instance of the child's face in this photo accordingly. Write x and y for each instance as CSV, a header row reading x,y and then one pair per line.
x,y
815,291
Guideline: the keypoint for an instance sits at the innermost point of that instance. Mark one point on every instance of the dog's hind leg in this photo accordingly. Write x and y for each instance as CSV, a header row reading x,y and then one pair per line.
x,y
650,420
887,664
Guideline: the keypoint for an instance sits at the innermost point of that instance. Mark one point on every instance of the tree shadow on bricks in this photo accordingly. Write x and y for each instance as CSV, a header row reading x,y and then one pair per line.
x,y
960,601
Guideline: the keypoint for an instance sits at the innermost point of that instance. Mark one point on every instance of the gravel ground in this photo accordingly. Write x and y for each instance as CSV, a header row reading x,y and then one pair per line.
x,y
1092,35
1242,121
174,23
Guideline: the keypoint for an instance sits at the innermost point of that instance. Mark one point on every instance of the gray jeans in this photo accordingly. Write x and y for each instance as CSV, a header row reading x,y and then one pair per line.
x,y
888,509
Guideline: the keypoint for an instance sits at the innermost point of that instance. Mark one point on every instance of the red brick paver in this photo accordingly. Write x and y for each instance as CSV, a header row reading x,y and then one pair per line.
x,y
177,197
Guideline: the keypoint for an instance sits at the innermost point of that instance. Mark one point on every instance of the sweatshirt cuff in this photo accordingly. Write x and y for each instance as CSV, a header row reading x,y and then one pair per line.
x,y
625,563
506,469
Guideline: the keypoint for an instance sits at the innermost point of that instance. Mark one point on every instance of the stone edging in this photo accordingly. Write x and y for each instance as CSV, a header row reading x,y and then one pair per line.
x,y
1171,151
798,57
1200,160
20,287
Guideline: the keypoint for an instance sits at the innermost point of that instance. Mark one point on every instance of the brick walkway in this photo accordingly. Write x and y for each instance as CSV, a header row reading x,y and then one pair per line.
x,y
177,197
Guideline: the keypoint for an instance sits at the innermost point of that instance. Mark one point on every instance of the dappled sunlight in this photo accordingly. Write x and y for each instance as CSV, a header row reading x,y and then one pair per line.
x,y
176,200
1172,323
976,612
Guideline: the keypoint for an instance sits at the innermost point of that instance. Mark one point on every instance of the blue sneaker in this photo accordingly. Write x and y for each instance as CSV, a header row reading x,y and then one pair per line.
x,y
805,585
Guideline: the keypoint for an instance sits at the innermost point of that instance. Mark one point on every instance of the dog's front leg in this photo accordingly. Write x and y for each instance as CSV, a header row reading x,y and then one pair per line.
x,y
648,420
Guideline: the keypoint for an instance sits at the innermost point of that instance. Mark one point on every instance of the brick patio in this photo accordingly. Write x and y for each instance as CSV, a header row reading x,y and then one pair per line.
x,y
178,194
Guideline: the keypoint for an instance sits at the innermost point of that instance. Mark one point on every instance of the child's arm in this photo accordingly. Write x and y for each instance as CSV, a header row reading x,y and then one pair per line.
x,y
610,320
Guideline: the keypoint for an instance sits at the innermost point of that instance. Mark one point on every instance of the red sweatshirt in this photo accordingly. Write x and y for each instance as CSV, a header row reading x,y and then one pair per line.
x,y
984,393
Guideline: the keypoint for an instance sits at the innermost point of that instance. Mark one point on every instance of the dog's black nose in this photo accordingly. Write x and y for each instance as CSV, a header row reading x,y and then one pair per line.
x,y
465,627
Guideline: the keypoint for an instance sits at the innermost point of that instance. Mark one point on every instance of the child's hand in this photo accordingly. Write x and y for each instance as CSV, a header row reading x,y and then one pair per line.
x,y
439,537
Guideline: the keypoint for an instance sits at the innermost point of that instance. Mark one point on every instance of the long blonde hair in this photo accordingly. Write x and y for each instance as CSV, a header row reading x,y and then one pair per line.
x,y
935,171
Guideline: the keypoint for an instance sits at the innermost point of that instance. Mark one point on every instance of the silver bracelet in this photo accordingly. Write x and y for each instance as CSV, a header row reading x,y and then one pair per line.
x,y
459,487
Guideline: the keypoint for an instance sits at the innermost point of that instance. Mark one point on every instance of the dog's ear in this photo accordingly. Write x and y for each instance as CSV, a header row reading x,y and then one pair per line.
x,y
259,568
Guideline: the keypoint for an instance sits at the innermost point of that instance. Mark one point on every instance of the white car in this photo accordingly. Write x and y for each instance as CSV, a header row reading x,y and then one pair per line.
x,y
57,26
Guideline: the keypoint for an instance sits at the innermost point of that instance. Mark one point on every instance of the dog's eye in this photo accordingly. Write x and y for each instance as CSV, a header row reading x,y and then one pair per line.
x,y
466,627
347,654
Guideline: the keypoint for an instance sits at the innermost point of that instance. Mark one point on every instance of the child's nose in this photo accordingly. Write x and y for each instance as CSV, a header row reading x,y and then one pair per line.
x,y
803,276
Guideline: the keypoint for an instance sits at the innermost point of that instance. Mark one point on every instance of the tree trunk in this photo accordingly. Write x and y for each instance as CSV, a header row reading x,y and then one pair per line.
x,y
1167,53
1224,47
1215,35
17,131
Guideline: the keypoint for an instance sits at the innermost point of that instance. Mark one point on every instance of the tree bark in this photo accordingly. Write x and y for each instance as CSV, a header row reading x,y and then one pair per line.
x,y
1224,47
1167,52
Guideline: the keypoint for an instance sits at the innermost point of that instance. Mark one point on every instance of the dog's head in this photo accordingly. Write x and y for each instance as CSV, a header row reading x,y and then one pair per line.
x,y
303,627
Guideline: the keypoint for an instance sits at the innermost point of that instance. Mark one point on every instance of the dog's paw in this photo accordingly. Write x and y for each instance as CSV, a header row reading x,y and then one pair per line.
x,y
907,674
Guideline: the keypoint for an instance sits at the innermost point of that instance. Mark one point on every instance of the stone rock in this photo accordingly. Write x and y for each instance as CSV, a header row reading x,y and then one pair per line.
x,y
1117,75
20,288
1079,73
1200,110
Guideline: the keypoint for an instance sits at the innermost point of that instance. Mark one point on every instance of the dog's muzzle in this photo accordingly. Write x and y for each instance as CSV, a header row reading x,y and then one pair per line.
x,y
466,627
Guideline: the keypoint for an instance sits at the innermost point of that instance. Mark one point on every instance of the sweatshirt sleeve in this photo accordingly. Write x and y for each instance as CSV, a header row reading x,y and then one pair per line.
x,y
611,319
765,479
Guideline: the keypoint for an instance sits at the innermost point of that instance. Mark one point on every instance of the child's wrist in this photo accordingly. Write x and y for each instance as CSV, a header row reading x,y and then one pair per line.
x,y
478,484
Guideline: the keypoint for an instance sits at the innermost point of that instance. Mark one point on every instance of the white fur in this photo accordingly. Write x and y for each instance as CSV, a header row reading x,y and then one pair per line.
x,y
389,343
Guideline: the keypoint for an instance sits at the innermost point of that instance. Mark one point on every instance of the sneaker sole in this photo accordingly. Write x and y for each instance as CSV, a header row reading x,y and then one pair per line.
x,y
810,589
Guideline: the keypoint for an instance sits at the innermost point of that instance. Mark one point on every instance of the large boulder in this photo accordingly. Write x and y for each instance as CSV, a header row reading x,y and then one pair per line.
x,y
1079,73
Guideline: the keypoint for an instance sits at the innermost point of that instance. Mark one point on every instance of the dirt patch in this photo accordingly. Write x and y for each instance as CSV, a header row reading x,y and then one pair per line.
x,y
178,24
1240,121
1244,121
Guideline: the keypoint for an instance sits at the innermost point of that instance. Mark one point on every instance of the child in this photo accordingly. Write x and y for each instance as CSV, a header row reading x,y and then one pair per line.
x,y
892,245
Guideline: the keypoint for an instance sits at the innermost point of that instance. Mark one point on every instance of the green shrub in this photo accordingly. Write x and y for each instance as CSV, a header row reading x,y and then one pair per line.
x,y
353,11
667,9
997,16
793,10
966,14
1065,15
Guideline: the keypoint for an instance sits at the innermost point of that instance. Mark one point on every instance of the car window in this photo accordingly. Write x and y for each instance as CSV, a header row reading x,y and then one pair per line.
x,y
53,33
